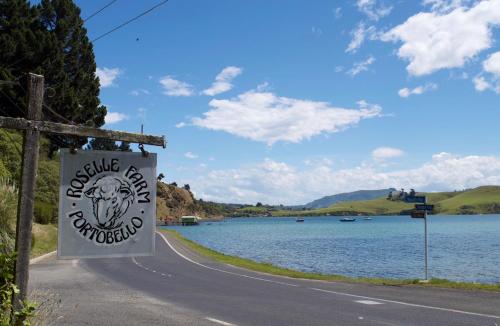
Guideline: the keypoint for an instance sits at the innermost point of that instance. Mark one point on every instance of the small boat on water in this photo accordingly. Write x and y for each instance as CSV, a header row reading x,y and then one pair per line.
x,y
367,218
347,219
299,220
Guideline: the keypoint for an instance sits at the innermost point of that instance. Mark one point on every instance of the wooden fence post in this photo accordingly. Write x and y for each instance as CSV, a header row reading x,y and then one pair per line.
x,y
27,190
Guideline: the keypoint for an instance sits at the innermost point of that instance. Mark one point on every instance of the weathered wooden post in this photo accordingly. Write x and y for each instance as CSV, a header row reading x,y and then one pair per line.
x,y
27,190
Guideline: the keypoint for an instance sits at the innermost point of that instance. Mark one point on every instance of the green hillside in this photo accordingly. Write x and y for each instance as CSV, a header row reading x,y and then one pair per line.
x,y
481,200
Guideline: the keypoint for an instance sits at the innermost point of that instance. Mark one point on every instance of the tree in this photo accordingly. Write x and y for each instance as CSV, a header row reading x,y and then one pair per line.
x,y
124,147
174,184
50,39
160,176
187,187
102,144
259,204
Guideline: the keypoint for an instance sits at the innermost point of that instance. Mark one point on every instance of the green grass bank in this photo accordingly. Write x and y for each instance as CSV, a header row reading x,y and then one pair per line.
x,y
275,270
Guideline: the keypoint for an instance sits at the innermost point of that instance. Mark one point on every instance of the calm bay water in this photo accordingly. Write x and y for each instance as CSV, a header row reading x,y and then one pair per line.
x,y
461,248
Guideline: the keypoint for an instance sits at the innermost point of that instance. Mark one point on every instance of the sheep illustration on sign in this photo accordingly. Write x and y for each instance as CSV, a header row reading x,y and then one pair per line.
x,y
111,198
107,204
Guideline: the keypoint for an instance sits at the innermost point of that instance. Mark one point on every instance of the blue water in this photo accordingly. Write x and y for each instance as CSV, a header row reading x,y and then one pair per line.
x,y
461,248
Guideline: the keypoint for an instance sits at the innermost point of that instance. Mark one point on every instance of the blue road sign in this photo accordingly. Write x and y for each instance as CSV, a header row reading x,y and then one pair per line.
x,y
424,207
415,199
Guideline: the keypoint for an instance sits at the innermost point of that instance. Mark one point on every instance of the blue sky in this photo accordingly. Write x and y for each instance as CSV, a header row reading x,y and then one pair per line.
x,y
286,101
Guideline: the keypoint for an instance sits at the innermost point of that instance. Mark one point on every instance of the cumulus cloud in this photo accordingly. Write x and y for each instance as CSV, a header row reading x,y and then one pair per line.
x,y
372,9
173,87
480,84
276,182
265,117
114,117
358,37
405,92
492,64
107,76
190,155
439,40
361,66
223,81
384,153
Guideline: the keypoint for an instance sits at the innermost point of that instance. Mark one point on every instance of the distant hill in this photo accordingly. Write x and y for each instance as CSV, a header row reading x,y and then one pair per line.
x,y
480,200
328,201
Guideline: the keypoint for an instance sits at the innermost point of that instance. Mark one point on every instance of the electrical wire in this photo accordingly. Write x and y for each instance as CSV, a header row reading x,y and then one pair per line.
x,y
129,21
98,11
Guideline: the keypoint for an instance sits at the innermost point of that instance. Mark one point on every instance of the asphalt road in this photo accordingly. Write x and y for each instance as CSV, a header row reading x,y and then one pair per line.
x,y
195,290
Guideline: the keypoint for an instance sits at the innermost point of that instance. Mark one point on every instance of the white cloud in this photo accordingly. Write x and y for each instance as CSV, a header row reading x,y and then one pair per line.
x,y
141,113
384,153
373,10
480,84
358,37
280,183
436,40
492,64
223,81
337,12
316,31
140,91
359,67
173,87
405,92
180,125
107,76
190,155
263,87
446,5
265,117
114,117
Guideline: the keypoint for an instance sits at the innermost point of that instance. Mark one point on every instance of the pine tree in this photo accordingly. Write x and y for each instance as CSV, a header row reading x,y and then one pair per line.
x,y
102,144
22,40
124,147
72,70
49,39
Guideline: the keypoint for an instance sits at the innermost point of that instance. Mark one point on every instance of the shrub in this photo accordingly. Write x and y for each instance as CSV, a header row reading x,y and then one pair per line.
x,y
9,314
8,211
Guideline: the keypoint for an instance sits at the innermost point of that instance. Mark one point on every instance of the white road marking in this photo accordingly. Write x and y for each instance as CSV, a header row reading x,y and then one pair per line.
x,y
74,262
221,270
333,292
409,304
368,302
220,322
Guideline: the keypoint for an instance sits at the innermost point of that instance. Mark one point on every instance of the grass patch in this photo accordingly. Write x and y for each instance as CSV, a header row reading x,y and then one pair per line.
x,y
45,239
275,270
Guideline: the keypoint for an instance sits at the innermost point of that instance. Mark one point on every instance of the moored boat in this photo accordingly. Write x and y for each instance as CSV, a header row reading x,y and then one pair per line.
x,y
347,219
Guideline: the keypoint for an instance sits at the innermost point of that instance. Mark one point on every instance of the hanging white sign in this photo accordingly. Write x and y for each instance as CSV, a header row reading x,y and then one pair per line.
x,y
107,204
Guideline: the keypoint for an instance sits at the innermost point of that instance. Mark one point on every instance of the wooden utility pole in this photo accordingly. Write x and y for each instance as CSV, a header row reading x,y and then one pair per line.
x,y
32,127
27,190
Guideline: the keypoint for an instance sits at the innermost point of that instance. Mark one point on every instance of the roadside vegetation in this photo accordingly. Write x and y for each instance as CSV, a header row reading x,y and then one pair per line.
x,y
275,270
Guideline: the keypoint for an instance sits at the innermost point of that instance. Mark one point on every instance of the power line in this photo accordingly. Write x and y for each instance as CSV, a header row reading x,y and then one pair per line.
x,y
98,11
129,21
